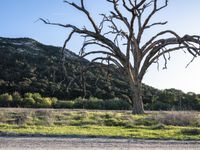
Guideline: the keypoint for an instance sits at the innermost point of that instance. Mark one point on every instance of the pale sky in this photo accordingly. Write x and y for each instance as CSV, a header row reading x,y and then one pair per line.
x,y
18,20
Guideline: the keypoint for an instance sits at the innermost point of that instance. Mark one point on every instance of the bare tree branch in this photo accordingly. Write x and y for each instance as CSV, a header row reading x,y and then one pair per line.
x,y
154,11
83,9
119,35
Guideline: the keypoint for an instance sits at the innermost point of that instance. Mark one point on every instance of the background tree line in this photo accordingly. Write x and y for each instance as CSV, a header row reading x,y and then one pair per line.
x,y
170,99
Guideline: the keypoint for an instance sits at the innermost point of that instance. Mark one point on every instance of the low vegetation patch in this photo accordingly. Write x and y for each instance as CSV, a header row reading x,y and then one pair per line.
x,y
189,101
187,118
36,100
192,131
153,125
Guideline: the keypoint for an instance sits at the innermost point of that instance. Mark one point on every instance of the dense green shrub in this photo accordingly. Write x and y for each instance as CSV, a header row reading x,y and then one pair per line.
x,y
54,101
64,104
117,104
160,106
17,100
28,95
79,103
94,103
28,102
38,100
91,103
6,100
45,103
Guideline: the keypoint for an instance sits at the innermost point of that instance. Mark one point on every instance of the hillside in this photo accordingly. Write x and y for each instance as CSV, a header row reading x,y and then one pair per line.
x,y
29,66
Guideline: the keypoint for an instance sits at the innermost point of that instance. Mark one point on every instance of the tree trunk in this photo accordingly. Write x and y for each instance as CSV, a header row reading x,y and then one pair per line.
x,y
136,97
137,102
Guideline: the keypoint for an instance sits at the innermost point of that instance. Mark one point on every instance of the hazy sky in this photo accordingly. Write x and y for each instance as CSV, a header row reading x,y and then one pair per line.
x,y
18,20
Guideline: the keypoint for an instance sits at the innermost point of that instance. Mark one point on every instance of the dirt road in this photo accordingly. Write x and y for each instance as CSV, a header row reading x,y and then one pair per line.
x,y
42,143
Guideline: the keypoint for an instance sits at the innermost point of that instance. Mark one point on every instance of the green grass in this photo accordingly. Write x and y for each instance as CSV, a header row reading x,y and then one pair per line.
x,y
141,132
100,124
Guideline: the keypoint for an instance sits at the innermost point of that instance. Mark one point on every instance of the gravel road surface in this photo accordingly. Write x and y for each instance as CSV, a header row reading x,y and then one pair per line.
x,y
43,143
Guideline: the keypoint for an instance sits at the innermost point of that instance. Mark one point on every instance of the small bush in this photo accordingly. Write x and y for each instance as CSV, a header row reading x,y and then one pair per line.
x,y
160,106
54,101
79,103
36,96
6,100
39,103
28,102
94,103
46,102
28,95
17,99
117,104
64,104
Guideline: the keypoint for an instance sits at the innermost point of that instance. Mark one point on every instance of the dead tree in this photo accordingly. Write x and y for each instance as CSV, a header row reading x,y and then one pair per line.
x,y
120,36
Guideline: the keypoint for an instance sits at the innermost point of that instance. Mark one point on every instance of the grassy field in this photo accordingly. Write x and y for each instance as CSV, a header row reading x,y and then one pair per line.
x,y
49,122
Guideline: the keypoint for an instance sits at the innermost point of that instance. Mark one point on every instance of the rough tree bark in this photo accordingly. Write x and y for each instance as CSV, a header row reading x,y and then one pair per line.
x,y
120,37
137,98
